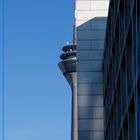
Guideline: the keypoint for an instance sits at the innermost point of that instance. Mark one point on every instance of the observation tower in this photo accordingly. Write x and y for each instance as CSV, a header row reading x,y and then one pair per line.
x,y
68,67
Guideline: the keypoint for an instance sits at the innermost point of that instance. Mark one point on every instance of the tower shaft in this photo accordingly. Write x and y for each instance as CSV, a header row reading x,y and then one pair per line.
x,y
72,80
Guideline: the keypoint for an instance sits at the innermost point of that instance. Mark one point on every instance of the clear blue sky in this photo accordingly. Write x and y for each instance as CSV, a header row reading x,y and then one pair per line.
x,y
37,97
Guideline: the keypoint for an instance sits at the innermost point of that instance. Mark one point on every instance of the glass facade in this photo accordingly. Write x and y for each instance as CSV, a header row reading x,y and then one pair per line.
x,y
121,93
91,25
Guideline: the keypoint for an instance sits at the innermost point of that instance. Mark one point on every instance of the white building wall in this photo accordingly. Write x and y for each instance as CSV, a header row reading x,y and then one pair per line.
x,y
91,24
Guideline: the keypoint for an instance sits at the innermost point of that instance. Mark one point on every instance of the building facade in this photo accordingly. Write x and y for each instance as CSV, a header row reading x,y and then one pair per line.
x,y
122,71
90,27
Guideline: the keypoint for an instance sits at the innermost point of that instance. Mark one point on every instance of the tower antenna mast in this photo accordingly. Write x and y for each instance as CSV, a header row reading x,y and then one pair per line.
x,y
74,26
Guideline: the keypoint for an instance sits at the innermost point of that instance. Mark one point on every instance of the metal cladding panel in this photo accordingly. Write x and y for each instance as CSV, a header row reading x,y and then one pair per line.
x,y
89,77
93,5
90,34
99,24
90,89
91,23
89,65
90,45
90,101
90,113
88,15
96,135
90,55
89,125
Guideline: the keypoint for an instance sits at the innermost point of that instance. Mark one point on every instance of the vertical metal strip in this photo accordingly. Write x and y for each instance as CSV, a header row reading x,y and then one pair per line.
x,y
137,45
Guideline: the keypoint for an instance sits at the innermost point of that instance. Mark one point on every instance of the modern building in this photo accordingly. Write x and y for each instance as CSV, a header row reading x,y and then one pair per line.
x,y
91,18
122,71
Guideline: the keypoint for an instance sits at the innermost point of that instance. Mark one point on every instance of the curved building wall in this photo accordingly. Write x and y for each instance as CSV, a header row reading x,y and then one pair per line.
x,y
91,25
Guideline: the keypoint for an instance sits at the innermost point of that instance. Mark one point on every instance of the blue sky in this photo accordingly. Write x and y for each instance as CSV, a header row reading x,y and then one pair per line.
x,y
37,97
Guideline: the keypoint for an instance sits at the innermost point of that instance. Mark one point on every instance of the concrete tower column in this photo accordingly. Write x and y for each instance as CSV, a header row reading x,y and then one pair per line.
x,y
74,107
